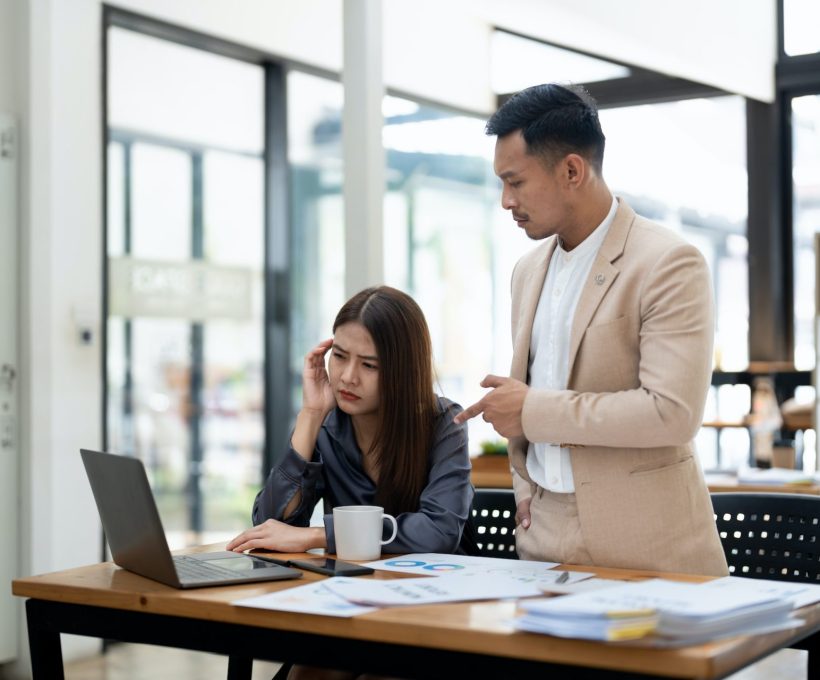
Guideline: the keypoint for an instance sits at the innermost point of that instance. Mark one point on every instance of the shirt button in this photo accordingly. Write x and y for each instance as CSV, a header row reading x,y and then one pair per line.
x,y
557,292
554,481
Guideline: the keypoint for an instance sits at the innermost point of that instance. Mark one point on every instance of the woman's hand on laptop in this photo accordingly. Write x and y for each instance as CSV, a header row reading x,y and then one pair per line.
x,y
278,536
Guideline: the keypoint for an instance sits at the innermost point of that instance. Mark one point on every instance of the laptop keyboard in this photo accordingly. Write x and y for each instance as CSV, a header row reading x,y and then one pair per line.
x,y
189,569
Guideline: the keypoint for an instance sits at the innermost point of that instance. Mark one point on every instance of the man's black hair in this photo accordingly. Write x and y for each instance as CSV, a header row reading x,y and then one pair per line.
x,y
555,120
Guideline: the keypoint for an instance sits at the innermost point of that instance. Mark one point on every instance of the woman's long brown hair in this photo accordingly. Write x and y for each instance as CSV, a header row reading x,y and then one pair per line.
x,y
407,403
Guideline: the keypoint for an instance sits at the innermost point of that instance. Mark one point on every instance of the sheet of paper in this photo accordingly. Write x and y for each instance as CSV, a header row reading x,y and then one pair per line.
x,y
800,594
311,598
691,600
435,564
407,591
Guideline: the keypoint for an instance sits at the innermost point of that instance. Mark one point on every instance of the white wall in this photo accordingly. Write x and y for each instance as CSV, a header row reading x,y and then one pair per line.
x,y
305,30
438,49
10,103
64,273
58,66
730,44
437,52
9,47
9,256
432,49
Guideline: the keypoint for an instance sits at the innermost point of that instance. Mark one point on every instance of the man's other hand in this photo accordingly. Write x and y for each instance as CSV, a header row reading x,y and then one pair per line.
x,y
522,513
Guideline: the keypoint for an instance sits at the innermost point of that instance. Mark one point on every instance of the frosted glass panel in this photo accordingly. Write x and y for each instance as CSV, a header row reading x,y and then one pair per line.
x,y
186,200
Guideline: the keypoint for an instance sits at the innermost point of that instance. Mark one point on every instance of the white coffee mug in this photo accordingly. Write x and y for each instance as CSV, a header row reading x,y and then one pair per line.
x,y
358,530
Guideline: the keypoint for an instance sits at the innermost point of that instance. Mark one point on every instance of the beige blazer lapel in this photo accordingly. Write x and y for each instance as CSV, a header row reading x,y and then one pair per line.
x,y
530,294
601,277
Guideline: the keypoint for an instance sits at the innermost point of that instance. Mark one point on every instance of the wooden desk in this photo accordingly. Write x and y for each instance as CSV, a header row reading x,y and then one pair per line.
x,y
418,642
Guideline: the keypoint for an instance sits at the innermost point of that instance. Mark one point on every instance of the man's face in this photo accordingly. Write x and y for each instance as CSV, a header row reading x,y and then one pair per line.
x,y
530,191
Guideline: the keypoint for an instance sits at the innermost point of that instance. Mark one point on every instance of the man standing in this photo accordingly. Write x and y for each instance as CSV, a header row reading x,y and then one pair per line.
x,y
612,326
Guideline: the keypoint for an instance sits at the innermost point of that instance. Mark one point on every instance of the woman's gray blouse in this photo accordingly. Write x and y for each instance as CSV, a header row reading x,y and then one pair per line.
x,y
337,476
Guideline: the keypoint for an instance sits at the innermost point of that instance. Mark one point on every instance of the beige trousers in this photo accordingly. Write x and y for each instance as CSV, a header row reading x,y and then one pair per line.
x,y
554,534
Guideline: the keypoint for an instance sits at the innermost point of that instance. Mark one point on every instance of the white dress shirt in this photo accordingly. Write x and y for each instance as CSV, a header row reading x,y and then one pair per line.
x,y
547,464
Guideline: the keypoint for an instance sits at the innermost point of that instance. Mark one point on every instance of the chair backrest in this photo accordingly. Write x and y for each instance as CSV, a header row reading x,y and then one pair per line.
x,y
770,535
494,522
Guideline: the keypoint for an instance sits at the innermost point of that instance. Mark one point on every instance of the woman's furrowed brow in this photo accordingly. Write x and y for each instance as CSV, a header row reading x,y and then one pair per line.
x,y
366,357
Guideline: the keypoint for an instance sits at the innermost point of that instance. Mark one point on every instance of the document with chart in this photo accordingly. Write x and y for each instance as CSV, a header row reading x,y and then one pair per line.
x,y
436,564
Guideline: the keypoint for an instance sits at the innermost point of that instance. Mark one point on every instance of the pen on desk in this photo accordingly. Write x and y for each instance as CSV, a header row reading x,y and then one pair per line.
x,y
563,578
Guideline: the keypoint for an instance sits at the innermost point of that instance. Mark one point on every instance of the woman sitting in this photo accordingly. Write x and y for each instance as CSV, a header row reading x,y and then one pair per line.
x,y
371,431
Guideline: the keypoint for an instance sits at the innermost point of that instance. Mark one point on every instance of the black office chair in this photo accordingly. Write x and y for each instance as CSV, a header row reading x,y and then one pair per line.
x,y
773,536
493,519
770,535
283,672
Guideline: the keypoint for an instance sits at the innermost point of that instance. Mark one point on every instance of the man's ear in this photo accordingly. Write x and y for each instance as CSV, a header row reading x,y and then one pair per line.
x,y
575,169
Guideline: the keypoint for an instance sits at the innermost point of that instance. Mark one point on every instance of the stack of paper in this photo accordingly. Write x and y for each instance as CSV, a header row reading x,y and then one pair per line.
x,y
593,615
686,612
610,627
799,594
718,613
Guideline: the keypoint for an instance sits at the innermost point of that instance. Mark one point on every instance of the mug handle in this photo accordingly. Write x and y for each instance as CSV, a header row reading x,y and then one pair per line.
x,y
395,528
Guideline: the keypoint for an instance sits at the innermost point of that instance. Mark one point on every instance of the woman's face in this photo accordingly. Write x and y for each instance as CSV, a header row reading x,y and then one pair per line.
x,y
354,370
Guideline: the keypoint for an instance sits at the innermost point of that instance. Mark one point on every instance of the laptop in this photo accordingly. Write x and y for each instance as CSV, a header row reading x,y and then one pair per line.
x,y
132,525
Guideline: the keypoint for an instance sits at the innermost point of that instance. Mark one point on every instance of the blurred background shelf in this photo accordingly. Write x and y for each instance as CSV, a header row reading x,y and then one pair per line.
x,y
491,472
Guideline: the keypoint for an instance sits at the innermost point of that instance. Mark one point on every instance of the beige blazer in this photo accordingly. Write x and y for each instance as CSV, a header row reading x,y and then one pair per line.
x,y
639,368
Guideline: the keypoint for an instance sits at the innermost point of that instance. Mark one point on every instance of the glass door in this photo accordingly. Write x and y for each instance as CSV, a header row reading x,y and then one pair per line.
x,y
185,265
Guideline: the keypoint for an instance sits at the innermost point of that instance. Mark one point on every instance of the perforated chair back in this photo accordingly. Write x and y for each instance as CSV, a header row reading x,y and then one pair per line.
x,y
494,522
770,535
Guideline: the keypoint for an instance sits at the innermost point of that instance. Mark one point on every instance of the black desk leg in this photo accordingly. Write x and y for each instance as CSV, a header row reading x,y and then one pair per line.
x,y
44,644
239,667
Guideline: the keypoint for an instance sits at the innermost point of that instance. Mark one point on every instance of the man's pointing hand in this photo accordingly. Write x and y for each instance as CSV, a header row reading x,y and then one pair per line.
x,y
501,406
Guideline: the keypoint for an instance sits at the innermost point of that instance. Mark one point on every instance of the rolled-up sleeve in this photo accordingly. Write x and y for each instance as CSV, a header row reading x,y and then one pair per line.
x,y
292,475
445,502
